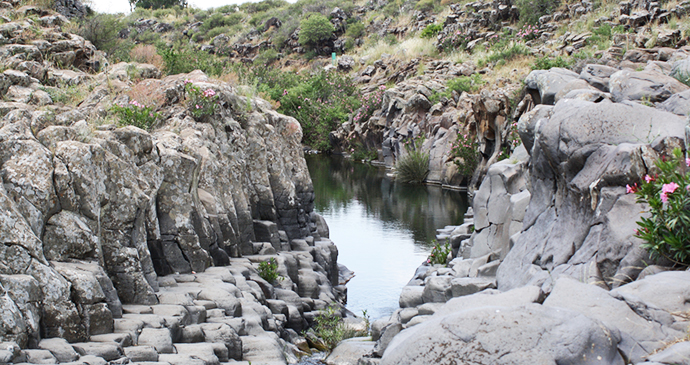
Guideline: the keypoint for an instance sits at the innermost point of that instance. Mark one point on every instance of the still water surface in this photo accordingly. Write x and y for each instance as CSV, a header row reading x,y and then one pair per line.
x,y
383,229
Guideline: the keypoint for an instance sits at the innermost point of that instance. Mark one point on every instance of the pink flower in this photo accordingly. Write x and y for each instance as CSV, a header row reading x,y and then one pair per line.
x,y
687,162
630,189
209,93
198,106
648,179
663,196
669,188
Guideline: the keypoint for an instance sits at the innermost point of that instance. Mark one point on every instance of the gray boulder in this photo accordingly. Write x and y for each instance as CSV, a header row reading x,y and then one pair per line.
x,y
648,86
543,85
536,334
639,335
677,104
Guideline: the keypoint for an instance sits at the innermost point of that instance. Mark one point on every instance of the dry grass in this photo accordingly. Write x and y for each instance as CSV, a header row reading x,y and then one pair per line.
x,y
514,70
147,54
148,93
406,50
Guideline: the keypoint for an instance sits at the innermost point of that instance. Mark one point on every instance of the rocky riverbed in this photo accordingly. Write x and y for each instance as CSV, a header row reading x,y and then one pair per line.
x,y
547,268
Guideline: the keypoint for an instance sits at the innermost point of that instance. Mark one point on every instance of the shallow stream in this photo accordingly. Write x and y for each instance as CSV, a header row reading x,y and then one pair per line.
x,y
383,229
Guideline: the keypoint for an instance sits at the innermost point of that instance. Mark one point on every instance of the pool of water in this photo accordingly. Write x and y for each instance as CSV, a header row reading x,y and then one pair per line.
x,y
383,229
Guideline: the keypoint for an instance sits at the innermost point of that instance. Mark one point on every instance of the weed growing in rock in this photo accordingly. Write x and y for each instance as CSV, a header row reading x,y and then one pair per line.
x,y
682,76
431,30
464,154
439,254
666,231
468,84
268,270
136,114
201,103
329,326
546,63
414,166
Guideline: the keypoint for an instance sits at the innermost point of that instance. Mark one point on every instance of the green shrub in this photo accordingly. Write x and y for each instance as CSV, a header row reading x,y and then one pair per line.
x,y
268,270
355,30
102,30
136,114
502,56
329,326
532,10
546,63
156,4
666,231
431,30
266,57
414,166
264,5
465,154
468,84
425,5
682,76
439,254
180,60
200,103
315,29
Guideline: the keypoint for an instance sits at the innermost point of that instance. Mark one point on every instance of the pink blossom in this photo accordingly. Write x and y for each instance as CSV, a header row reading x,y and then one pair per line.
x,y
209,93
669,188
629,189
648,179
687,162
198,106
663,196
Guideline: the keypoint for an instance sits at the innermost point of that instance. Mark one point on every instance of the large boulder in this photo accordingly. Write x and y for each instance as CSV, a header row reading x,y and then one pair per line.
x,y
581,222
526,334
650,86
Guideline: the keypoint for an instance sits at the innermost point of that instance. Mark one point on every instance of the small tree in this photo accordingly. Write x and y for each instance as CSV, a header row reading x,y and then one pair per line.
x,y
532,10
156,4
315,29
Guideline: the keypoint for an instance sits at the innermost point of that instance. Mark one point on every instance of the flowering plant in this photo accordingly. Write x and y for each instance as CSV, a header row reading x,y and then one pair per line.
x,y
528,32
439,254
200,102
666,230
465,155
135,114
370,103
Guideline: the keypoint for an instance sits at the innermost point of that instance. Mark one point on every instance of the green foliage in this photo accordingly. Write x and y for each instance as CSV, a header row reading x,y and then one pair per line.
x,y
200,103
682,76
315,29
431,30
156,4
426,5
320,101
265,5
181,60
414,166
217,20
666,231
468,84
329,326
439,254
546,63
268,270
136,114
532,10
355,30
266,57
464,152
102,30
501,56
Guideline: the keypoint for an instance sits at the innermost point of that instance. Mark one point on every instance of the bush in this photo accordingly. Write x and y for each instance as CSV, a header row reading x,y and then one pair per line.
x,y
266,58
157,4
532,10
425,5
414,166
666,231
102,30
439,254
200,103
682,76
179,61
468,84
355,30
136,114
329,326
146,54
314,30
431,30
268,270
464,152
546,63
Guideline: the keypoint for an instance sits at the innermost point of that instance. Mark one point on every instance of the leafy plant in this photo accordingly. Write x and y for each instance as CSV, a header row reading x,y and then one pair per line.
x,y
431,30
181,60
666,231
532,10
682,76
464,152
546,63
200,103
268,270
414,166
136,114
439,254
315,29
464,83
329,326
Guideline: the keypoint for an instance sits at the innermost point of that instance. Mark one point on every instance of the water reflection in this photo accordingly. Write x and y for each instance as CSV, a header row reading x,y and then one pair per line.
x,y
383,229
